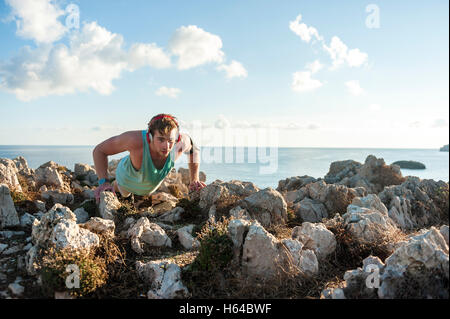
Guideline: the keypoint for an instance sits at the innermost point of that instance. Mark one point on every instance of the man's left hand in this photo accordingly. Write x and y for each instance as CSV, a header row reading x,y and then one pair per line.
x,y
196,185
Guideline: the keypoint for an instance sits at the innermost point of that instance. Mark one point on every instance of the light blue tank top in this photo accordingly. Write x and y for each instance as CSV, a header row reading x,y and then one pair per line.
x,y
146,180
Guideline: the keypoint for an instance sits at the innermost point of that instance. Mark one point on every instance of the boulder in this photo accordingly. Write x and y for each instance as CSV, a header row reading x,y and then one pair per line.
x,y
8,174
444,232
239,213
370,201
373,175
336,198
332,293
173,215
303,259
218,192
100,226
379,174
112,166
82,215
186,239
260,254
415,203
315,237
59,227
58,196
237,231
368,225
85,172
358,284
318,200
109,204
49,175
341,169
265,256
266,206
164,277
310,210
294,183
20,162
422,260
150,233
27,174
161,197
40,205
8,213
26,220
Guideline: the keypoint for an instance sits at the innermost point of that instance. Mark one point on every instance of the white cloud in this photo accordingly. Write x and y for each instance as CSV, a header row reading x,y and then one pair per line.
x,y
234,69
314,66
194,46
94,56
37,20
170,92
303,82
142,54
354,88
303,31
94,59
340,54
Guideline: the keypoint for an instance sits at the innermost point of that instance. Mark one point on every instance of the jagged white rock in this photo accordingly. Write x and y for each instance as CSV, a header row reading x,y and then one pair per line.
x,y
8,213
150,233
315,237
165,279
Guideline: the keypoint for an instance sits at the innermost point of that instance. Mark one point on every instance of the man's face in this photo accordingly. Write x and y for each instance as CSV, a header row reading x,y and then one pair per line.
x,y
163,143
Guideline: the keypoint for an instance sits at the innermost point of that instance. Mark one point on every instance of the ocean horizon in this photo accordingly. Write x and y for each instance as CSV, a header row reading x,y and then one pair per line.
x,y
263,166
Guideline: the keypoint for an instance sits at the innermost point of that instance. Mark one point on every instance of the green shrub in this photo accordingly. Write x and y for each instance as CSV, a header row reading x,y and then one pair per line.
x,y
18,197
53,265
216,247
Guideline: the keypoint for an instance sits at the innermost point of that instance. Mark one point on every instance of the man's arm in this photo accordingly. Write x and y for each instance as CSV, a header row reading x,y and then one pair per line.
x,y
114,145
193,153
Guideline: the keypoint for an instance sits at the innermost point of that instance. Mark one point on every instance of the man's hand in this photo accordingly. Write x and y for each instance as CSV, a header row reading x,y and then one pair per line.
x,y
196,185
102,188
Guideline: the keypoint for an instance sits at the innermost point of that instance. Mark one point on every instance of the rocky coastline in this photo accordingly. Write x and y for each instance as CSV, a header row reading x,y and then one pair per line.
x,y
361,231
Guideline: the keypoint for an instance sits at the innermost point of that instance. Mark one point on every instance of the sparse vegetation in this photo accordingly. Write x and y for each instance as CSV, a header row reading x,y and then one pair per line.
x,y
53,271
442,202
216,247
18,197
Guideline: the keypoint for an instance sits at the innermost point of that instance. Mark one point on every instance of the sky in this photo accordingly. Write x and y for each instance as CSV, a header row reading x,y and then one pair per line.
x,y
371,74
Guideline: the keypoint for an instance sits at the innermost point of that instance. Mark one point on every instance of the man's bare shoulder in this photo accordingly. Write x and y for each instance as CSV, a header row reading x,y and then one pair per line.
x,y
133,139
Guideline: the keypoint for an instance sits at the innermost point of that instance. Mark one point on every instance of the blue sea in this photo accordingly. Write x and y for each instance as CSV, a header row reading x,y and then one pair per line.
x,y
264,167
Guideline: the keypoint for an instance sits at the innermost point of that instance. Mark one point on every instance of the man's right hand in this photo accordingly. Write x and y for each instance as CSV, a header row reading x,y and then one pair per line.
x,y
102,188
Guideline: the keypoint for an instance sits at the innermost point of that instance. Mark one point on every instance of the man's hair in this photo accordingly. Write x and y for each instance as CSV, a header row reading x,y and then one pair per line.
x,y
163,125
